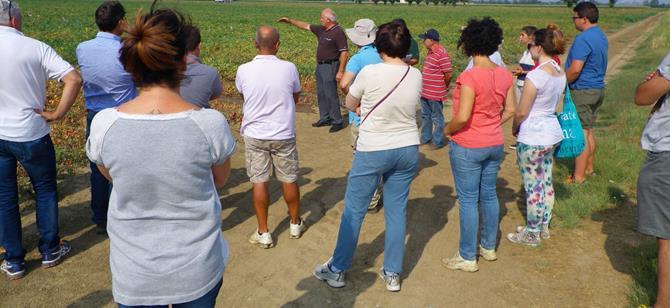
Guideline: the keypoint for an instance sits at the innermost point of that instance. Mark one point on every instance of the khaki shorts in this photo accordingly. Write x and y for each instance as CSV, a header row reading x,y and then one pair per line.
x,y
587,102
265,156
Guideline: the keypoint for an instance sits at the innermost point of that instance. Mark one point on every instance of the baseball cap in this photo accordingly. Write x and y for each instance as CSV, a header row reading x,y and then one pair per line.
x,y
430,34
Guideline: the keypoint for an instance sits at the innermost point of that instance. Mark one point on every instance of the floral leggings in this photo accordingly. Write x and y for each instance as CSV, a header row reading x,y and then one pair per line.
x,y
535,163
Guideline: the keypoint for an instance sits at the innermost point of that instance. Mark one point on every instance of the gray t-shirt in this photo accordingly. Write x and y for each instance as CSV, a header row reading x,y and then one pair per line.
x,y
656,134
164,219
200,83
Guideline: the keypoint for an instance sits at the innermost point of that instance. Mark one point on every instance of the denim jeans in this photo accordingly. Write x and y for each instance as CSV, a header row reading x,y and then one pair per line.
x,y
207,300
475,171
100,187
397,168
38,158
432,122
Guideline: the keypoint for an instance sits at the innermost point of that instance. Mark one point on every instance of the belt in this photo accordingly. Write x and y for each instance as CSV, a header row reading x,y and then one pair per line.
x,y
327,61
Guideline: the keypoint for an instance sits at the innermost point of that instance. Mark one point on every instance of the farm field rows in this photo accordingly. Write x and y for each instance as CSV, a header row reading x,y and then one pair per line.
x,y
228,29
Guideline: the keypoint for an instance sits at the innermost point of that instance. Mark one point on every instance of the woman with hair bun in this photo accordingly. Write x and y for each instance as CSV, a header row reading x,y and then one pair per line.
x,y
483,101
165,158
538,132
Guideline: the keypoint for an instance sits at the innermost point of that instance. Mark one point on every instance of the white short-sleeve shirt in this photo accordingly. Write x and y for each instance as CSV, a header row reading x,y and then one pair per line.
x,y
392,125
656,134
267,84
25,66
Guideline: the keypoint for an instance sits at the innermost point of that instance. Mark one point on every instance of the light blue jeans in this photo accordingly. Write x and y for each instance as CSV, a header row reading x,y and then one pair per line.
x,y
397,168
475,171
432,122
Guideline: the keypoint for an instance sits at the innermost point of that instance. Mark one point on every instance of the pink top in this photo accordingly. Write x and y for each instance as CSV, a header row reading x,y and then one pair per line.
x,y
483,129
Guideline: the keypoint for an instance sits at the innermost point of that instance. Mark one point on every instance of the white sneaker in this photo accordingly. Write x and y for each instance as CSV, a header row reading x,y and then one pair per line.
x,y
487,254
262,240
296,230
323,272
392,280
458,263
544,233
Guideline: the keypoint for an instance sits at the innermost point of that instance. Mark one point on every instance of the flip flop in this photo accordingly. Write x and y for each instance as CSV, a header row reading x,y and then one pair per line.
x,y
571,181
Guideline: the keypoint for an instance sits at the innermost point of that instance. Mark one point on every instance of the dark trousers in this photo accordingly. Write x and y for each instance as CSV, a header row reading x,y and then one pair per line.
x,y
326,92
38,158
100,187
207,300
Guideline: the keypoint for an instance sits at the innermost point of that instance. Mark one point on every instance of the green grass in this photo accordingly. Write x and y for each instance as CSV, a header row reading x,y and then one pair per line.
x,y
644,267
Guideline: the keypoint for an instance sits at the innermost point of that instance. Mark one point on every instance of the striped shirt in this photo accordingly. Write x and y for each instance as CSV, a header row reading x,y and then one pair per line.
x,y
436,66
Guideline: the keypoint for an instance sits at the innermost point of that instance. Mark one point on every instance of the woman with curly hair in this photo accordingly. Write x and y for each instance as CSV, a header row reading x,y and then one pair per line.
x,y
483,101
166,157
538,132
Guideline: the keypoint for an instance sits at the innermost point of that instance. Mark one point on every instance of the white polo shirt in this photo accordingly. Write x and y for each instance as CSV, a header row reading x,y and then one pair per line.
x,y
25,66
267,84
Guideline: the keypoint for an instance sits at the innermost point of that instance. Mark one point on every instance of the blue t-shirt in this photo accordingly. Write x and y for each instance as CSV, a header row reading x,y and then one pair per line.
x,y
591,47
106,82
366,55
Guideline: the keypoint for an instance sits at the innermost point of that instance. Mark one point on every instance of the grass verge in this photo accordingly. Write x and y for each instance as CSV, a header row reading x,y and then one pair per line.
x,y
618,161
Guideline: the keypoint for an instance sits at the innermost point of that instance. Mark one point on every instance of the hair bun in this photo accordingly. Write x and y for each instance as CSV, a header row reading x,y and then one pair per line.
x,y
553,27
153,50
153,43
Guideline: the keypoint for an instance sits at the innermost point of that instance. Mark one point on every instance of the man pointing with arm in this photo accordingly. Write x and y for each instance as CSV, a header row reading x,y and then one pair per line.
x,y
331,57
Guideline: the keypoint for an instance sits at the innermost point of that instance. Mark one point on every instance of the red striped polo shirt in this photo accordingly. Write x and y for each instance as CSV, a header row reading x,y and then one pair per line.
x,y
436,66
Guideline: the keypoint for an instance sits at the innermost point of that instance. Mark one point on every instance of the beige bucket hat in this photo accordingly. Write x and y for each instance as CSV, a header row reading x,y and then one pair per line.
x,y
363,33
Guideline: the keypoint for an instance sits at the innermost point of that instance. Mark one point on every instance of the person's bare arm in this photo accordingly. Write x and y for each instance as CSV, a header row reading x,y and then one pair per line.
x,y
575,69
344,55
650,91
447,79
510,106
528,95
105,172
296,23
413,62
72,85
466,103
346,81
214,96
221,173
351,103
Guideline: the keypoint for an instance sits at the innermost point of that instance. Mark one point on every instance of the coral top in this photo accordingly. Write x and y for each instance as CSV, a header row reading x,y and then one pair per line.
x,y
483,129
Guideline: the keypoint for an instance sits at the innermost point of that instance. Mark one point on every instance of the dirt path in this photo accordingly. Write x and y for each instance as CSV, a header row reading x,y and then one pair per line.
x,y
587,266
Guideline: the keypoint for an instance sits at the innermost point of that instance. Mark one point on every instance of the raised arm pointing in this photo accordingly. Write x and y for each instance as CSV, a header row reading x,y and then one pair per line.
x,y
297,23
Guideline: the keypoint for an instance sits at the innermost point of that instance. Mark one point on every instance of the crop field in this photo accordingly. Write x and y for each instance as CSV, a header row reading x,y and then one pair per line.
x,y
228,31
